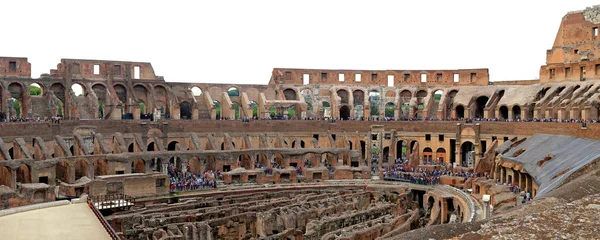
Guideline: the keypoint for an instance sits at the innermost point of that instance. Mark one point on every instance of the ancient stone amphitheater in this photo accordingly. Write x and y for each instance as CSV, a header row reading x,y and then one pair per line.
x,y
315,153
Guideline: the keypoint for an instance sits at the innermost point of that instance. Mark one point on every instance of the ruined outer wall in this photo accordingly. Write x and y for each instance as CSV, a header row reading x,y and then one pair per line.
x,y
575,53
467,77
22,67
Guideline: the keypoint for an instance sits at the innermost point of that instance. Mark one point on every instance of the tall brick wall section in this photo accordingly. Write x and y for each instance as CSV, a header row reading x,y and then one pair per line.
x,y
108,127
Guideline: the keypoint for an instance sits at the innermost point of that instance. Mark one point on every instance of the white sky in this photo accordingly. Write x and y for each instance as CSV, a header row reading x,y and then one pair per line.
x,y
242,41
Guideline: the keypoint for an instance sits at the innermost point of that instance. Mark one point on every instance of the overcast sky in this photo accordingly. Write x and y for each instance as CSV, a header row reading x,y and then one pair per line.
x,y
242,41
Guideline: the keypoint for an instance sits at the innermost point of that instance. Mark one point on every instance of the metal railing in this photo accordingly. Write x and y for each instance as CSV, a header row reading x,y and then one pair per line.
x,y
112,201
111,232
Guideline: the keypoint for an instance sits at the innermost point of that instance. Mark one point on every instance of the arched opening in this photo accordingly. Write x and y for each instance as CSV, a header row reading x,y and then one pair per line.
x,y
211,163
130,148
386,154
5,176
440,155
185,110
460,112
435,106
172,146
195,166
100,168
450,103
196,92
24,174
421,94
301,144
290,94
345,112
405,97
218,109
78,90
100,91
81,169
343,94
121,92
480,104
504,112
254,109
17,108
374,101
389,109
516,112
233,92
62,172
142,106
363,149
151,147
138,166
279,161
35,90
427,156
262,161
11,153
236,109
58,90
401,150
412,147
246,161
468,154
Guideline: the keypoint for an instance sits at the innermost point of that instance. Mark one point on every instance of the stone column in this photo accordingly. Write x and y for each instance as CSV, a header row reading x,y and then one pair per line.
x,y
13,178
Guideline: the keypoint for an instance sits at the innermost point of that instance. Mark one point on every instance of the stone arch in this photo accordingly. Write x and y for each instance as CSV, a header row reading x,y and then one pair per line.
x,y
359,97
480,103
390,107
246,161
374,101
195,166
466,148
262,160
211,163
100,91
151,147
343,94
450,103
185,110
440,155
5,176
460,112
24,173
386,154
233,92
81,169
301,144
59,91
290,94
516,110
121,92
405,96
100,167
196,91
503,112
62,171
173,146
344,112
33,93
401,151
427,155
78,89
280,160
138,166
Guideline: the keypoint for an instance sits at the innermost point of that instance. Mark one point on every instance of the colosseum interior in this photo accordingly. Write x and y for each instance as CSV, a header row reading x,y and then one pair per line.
x,y
315,153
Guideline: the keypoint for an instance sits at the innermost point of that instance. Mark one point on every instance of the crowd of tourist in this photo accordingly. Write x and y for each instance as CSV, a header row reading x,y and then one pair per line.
x,y
188,181
400,170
